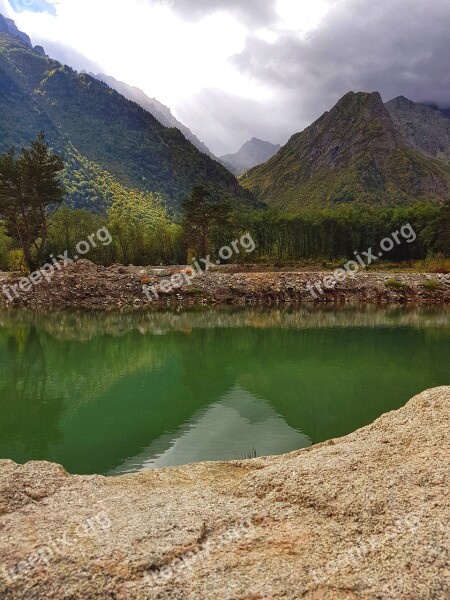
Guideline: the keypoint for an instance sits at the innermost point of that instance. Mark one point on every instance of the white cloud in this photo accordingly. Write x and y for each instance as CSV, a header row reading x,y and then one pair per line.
x,y
302,16
234,69
5,8
148,45
174,51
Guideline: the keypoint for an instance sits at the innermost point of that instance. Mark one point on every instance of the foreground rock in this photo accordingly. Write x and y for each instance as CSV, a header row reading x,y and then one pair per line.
x,y
366,516
85,285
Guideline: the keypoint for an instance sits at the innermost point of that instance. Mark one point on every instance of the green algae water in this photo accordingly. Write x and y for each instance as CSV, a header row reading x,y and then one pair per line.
x,y
118,393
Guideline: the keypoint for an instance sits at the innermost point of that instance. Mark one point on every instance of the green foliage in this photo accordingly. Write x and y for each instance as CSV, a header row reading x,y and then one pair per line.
x,y
143,234
30,188
70,226
444,230
88,185
6,244
142,231
209,223
395,285
338,232
432,285
100,133
200,214
16,261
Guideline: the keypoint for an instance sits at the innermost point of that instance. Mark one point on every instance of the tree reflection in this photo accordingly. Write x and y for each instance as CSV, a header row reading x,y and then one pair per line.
x,y
29,423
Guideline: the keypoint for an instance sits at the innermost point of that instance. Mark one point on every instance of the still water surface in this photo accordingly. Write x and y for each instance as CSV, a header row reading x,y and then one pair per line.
x,y
116,393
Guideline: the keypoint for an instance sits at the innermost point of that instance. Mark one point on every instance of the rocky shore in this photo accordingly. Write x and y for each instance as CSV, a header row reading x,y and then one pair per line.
x,y
365,516
84,285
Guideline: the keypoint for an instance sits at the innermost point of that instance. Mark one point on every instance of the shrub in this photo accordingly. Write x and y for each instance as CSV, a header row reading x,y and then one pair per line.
x,y
432,285
395,285
16,261
194,291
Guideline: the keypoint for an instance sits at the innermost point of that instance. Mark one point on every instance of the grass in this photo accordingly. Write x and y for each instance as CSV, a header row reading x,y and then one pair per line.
x,y
436,264
248,456
194,291
394,284
429,265
432,285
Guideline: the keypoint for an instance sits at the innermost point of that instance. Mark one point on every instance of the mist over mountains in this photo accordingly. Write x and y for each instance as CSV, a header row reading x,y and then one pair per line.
x,y
161,112
253,153
361,151
99,131
422,127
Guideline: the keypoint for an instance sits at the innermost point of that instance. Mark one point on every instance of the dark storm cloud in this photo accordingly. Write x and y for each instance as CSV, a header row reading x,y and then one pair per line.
x,y
257,12
398,47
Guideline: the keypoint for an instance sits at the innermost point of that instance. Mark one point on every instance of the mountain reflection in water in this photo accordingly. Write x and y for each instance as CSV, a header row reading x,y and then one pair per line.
x,y
118,392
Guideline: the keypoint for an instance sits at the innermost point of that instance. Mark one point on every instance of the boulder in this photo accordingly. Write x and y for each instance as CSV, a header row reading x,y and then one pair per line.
x,y
365,516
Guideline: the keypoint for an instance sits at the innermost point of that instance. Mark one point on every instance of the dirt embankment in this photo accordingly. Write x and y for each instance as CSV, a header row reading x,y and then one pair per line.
x,y
365,516
85,285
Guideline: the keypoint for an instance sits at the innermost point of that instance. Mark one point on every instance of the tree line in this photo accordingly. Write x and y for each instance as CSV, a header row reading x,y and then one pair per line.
x,y
35,224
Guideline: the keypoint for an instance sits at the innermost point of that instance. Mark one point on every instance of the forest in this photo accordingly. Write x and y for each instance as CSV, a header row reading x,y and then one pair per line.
x,y
37,223
144,235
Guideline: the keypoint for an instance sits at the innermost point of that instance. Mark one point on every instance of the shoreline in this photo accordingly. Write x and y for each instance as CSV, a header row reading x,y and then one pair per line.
x,y
335,520
84,285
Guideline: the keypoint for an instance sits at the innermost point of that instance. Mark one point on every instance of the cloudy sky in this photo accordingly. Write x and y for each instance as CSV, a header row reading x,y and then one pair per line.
x,y
234,69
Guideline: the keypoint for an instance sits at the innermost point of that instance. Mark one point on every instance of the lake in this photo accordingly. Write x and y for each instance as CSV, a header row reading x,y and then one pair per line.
x,y
114,393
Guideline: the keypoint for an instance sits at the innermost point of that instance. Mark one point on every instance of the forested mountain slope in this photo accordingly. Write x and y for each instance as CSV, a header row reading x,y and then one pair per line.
x,y
98,128
354,153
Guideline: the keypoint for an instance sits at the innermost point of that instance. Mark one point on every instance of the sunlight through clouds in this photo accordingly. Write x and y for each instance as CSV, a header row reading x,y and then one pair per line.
x,y
134,44
303,15
263,68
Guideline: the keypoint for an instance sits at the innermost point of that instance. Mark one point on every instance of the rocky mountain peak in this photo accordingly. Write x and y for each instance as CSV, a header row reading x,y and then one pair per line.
x,y
424,128
9,27
352,153
358,121
40,51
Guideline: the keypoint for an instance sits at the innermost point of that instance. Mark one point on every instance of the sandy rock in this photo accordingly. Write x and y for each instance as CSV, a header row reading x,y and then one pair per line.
x,y
365,516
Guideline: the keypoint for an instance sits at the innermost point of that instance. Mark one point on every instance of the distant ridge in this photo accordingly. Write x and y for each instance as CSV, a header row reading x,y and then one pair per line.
x,y
161,112
253,153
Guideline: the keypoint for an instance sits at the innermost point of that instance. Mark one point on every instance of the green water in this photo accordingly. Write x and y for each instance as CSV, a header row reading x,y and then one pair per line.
x,y
115,393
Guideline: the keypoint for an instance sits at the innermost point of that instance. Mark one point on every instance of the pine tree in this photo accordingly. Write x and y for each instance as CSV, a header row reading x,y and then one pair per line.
x,y
30,191
203,216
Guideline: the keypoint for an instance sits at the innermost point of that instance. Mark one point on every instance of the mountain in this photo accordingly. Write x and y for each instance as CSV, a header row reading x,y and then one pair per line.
x,y
100,132
9,27
161,112
422,127
253,153
354,153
